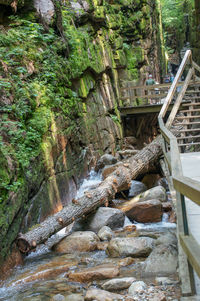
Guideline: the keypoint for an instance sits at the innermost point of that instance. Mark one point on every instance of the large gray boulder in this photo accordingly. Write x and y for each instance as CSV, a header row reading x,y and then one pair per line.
x,y
104,216
162,261
77,242
137,187
130,246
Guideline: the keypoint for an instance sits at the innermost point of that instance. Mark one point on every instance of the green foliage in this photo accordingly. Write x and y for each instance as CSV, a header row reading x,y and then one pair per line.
x,y
173,12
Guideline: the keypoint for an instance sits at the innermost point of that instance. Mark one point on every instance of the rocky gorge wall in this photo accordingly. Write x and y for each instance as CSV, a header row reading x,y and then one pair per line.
x,y
61,68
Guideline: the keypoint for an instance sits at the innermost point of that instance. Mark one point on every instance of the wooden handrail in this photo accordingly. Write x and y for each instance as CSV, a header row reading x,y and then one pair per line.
x,y
184,185
168,99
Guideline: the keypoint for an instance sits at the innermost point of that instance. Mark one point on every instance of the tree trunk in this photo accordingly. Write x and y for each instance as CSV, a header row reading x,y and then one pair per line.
x,y
117,181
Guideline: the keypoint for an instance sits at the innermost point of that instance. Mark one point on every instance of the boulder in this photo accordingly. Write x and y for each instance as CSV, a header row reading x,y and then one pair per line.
x,y
162,261
137,287
80,241
106,271
165,281
167,239
106,159
126,261
155,193
118,283
130,246
74,297
150,180
104,216
136,188
145,212
101,295
58,297
105,233
167,206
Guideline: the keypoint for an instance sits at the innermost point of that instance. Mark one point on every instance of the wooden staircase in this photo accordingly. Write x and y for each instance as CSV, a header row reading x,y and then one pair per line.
x,y
187,120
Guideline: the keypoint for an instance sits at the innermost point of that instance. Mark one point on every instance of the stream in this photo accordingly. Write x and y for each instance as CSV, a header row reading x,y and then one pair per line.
x,y
44,275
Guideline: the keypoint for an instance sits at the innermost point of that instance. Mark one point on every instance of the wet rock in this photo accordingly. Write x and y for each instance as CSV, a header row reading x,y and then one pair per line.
x,y
105,233
172,217
145,212
104,216
58,297
162,261
151,180
167,239
137,187
130,140
137,287
74,297
107,170
80,241
155,193
102,245
165,281
102,295
126,261
131,246
167,206
118,283
159,297
106,159
106,271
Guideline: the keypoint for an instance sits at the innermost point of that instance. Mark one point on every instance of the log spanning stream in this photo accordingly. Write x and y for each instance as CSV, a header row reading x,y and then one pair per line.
x,y
46,273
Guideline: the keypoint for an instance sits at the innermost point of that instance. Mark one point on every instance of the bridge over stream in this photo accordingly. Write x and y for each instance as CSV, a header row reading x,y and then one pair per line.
x,y
177,107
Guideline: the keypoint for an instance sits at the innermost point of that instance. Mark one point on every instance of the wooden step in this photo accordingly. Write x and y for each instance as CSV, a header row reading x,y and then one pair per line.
x,y
187,117
190,111
185,144
188,137
187,123
190,104
189,130
192,97
192,91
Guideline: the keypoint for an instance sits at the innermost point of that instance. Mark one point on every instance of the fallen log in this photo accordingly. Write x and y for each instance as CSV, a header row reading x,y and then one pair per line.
x,y
117,181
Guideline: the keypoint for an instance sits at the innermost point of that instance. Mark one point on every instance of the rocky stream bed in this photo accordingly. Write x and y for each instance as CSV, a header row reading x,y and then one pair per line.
x,y
127,251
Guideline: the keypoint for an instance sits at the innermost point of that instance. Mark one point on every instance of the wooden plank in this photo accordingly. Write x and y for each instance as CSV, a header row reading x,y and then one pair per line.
x,y
191,83
191,104
196,66
188,137
141,109
187,286
187,117
187,144
188,187
179,98
151,96
190,130
190,111
192,250
188,123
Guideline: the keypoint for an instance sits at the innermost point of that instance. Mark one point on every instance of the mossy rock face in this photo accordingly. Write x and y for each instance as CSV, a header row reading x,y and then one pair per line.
x,y
59,107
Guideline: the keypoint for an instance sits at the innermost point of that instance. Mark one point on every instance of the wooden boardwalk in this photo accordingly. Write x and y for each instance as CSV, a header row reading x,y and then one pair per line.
x,y
191,168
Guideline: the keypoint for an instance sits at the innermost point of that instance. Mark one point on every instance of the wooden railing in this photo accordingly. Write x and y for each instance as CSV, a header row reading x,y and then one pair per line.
x,y
185,187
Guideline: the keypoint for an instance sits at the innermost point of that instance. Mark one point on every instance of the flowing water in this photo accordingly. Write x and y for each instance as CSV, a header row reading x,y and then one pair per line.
x,y
44,273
